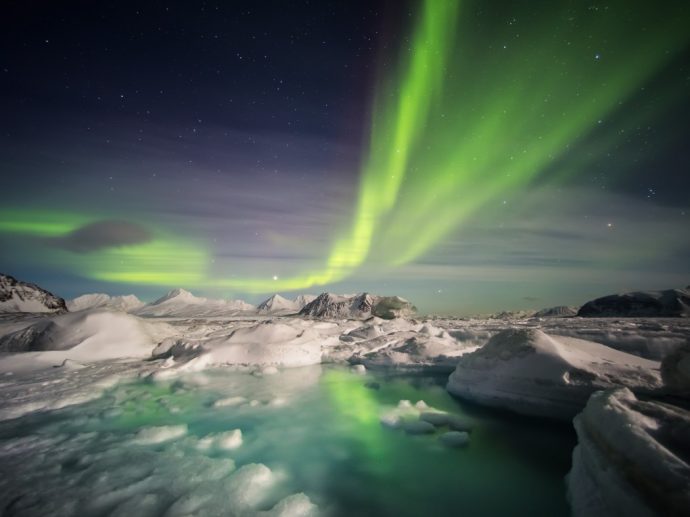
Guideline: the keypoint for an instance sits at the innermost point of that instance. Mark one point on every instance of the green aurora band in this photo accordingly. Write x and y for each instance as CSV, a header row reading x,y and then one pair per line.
x,y
475,109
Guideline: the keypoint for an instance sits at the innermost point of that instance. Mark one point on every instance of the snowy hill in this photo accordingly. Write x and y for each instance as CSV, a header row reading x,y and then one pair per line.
x,y
333,306
181,303
668,303
125,303
18,296
88,335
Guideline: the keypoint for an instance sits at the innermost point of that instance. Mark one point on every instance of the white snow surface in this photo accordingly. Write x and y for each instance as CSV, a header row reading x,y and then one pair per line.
x,y
401,345
531,372
631,459
124,303
84,336
534,366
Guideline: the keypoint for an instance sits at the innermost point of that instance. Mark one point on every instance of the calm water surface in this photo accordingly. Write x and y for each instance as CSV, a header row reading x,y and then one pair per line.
x,y
316,428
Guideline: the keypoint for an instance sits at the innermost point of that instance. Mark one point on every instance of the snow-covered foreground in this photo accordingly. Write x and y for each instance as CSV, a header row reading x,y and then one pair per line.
x,y
633,457
246,413
302,441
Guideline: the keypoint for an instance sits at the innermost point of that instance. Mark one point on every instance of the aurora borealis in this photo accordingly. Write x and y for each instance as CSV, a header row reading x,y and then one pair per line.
x,y
468,155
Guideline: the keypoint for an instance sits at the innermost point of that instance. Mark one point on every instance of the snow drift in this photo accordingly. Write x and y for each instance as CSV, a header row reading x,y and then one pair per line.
x,y
84,336
530,372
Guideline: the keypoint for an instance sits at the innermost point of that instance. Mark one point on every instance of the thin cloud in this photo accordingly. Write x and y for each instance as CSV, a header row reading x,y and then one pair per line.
x,y
103,235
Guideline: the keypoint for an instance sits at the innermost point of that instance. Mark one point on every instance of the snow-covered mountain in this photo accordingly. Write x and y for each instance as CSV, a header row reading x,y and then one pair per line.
x,y
304,299
668,303
181,303
277,303
560,311
125,303
509,315
18,296
334,306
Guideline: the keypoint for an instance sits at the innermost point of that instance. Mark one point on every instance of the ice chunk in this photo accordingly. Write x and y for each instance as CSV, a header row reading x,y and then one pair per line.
x,y
528,371
418,427
296,505
230,402
631,458
675,371
229,439
455,438
359,368
249,486
225,441
436,418
141,505
160,434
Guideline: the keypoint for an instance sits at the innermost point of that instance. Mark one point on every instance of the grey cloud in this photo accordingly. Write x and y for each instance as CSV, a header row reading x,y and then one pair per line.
x,y
102,235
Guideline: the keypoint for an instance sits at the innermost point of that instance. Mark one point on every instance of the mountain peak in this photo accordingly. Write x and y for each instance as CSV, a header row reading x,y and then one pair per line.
x,y
18,296
363,305
277,303
178,295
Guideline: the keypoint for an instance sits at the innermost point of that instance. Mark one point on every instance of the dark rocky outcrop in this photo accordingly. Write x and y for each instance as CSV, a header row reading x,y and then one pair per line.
x,y
18,296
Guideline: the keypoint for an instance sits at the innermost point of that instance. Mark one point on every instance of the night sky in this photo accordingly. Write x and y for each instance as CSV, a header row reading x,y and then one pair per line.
x,y
470,156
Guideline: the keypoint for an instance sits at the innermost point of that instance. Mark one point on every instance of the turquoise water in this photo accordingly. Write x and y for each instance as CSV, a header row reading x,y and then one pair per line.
x,y
316,428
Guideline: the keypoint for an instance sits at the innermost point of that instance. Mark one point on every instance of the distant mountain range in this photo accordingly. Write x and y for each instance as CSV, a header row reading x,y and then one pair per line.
x,y
125,303
277,303
18,296
333,306
668,303
181,303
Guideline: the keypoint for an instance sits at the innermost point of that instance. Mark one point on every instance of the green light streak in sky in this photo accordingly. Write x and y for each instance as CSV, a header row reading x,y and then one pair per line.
x,y
397,122
508,113
166,260
40,223
478,107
